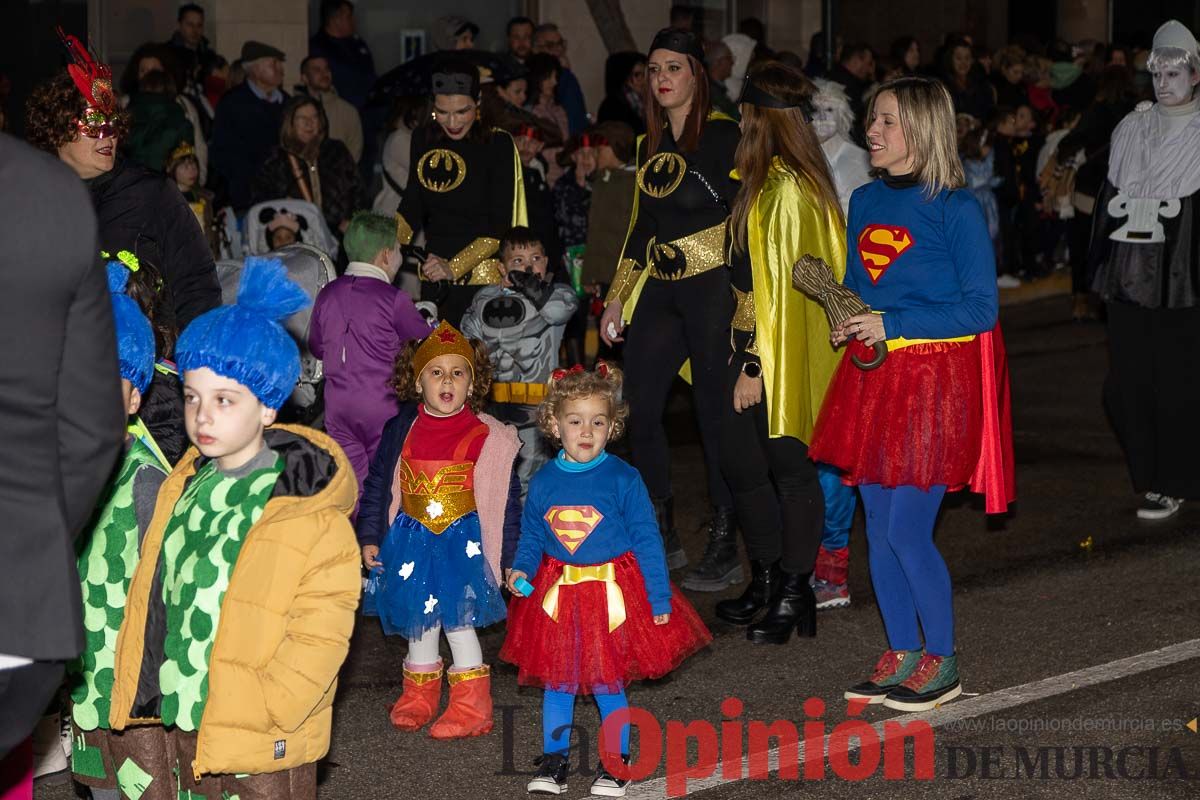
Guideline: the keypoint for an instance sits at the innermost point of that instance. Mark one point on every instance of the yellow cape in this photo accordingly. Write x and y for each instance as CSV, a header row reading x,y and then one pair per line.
x,y
791,331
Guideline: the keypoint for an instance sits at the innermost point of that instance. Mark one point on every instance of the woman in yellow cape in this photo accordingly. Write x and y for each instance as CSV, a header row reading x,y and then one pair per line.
x,y
782,359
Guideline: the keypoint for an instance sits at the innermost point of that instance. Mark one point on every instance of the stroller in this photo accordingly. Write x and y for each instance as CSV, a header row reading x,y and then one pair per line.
x,y
312,270
313,229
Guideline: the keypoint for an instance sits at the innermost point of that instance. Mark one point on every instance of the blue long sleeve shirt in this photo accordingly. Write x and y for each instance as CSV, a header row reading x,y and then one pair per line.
x,y
590,516
928,264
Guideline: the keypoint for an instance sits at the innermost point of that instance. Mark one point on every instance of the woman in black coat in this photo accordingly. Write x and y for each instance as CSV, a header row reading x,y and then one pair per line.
x,y
624,87
308,165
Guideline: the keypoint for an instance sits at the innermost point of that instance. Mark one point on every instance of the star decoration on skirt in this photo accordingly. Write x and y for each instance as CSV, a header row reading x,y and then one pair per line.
x,y
434,509
406,569
473,549
430,603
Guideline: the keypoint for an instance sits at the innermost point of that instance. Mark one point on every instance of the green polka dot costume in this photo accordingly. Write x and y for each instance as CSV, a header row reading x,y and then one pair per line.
x,y
200,547
106,563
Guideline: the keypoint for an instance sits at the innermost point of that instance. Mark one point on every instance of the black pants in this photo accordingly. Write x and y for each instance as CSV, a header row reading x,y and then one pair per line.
x,y
1152,392
24,693
776,489
675,321
452,299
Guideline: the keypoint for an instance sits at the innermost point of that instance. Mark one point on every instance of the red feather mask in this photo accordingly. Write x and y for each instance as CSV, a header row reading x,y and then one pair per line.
x,y
94,81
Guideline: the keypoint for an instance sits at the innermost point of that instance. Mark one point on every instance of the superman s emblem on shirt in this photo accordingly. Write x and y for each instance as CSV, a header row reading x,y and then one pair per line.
x,y
880,245
573,524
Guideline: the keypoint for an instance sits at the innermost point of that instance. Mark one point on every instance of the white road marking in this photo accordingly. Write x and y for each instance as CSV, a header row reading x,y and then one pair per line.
x,y
962,709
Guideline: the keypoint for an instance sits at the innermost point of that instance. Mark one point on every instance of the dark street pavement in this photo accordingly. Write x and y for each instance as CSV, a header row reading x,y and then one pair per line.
x,y
1069,580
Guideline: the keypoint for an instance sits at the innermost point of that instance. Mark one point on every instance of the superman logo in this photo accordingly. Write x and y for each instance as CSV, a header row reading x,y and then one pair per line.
x,y
880,245
573,524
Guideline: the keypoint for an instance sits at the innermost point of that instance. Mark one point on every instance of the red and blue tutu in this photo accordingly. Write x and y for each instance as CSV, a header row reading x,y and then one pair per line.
x,y
576,653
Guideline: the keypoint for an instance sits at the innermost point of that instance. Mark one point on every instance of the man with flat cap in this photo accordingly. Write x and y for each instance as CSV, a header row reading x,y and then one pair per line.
x,y
247,122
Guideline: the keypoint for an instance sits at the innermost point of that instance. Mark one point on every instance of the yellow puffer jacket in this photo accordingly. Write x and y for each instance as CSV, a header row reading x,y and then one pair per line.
x,y
285,622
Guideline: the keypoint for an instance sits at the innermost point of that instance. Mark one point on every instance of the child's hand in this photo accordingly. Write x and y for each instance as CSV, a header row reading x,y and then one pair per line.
x,y
662,619
370,556
513,576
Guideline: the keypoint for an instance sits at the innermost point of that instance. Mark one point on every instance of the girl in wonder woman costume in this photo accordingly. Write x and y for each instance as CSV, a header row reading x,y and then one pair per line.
x,y
438,518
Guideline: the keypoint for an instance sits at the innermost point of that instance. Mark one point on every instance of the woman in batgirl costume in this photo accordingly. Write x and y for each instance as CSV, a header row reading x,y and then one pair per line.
x,y
783,360
934,416
672,284
465,191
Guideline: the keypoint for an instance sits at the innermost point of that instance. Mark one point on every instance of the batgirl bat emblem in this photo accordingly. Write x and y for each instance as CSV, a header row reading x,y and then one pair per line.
x,y
662,174
441,170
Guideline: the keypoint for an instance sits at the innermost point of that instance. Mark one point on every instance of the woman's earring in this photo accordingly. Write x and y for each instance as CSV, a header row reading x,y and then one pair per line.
x,y
433,116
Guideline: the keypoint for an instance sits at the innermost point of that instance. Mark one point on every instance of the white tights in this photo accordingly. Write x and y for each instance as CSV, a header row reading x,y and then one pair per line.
x,y
464,646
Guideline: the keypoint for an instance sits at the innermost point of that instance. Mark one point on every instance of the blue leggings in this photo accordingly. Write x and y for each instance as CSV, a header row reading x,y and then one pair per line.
x,y
910,578
558,715
839,507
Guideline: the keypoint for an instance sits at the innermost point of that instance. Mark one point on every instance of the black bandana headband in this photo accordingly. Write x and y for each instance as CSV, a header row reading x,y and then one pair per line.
x,y
756,96
456,83
678,41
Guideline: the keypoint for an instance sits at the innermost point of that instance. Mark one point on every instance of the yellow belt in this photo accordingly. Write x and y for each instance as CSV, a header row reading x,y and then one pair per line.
x,y
572,575
702,251
899,343
524,393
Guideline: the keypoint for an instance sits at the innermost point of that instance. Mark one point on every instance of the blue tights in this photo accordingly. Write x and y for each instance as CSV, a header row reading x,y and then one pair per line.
x,y
912,584
558,715
839,507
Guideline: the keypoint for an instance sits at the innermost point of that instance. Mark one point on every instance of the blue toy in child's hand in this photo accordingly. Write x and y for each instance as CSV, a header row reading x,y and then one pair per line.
x,y
524,587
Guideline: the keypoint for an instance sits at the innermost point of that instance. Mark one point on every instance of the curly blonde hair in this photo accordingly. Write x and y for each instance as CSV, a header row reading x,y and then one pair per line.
x,y
570,385
404,379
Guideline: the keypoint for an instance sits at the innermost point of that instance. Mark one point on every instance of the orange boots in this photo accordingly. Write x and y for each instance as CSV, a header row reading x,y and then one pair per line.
x,y
469,712
420,699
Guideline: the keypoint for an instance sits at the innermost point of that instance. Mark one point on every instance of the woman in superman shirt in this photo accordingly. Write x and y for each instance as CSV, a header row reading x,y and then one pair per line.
x,y
935,416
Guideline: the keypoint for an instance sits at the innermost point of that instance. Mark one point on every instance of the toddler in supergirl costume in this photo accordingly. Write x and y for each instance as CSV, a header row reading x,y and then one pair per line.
x,y
439,516
602,611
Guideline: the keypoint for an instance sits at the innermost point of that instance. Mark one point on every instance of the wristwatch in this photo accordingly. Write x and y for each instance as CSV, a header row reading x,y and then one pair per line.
x,y
752,369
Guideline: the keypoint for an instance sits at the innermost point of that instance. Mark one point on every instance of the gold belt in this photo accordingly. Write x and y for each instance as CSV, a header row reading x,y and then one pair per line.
x,y
524,393
438,511
573,575
701,252
900,342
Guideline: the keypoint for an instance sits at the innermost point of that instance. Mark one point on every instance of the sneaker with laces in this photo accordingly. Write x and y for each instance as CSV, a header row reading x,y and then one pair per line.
x,y
830,595
609,785
551,776
933,683
893,668
1157,506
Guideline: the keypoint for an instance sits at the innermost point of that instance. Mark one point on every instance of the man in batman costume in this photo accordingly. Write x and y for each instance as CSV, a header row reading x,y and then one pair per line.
x,y
1146,260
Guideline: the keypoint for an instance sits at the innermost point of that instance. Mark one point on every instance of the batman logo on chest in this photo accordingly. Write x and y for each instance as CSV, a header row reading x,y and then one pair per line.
x,y
441,170
505,311
662,174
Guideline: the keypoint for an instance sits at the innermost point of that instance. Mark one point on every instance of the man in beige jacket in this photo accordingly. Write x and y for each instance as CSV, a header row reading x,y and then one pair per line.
x,y
344,122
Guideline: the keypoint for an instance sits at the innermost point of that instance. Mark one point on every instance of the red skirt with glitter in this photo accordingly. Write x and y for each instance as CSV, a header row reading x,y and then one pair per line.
x,y
917,420
577,653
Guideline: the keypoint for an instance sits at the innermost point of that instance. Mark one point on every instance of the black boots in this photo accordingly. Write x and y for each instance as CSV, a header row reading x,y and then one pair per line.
x,y
664,512
764,587
794,609
720,566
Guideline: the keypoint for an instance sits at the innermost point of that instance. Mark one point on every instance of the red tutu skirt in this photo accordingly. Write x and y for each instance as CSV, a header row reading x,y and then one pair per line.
x,y
917,420
577,653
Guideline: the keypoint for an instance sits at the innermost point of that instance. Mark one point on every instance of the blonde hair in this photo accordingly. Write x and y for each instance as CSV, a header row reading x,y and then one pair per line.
x,y
567,385
930,133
